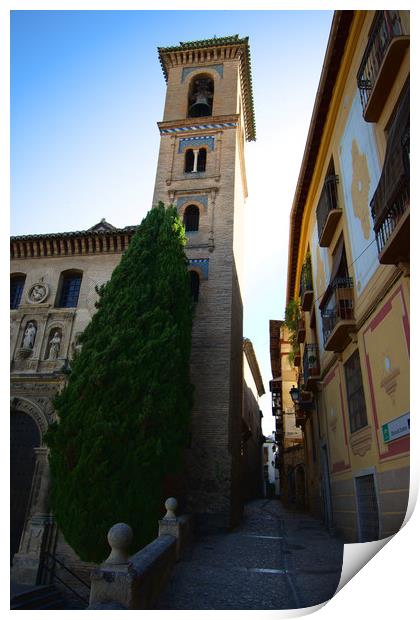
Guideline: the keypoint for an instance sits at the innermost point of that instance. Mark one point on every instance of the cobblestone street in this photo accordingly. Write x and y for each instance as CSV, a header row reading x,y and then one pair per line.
x,y
276,559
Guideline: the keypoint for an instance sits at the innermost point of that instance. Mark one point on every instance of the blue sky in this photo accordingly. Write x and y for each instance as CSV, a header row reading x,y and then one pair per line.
x,y
86,93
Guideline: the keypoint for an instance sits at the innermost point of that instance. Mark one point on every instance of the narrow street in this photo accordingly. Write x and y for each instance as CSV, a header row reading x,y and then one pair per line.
x,y
277,559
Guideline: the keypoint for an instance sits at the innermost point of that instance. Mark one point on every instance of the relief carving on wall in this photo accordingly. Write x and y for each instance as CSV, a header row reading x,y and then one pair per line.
x,y
38,293
361,440
360,186
390,379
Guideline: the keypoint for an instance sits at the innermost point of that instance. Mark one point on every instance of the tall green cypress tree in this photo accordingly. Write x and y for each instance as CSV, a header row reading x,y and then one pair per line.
x,y
123,417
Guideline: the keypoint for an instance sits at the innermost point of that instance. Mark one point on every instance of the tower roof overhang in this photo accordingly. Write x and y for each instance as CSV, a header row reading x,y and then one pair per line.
x,y
236,47
339,33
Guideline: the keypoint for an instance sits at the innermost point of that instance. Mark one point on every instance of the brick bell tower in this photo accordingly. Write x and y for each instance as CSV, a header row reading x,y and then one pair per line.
x,y
201,170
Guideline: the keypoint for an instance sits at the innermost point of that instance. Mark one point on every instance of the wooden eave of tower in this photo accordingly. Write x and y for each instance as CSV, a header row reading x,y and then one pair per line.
x,y
339,33
253,364
185,123
76,243
216,50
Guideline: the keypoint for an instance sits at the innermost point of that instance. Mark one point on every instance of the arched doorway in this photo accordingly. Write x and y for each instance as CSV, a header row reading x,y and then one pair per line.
x,y
24,437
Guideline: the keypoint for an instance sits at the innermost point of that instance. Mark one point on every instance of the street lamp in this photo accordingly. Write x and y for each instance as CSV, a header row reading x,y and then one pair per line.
x,y
294,393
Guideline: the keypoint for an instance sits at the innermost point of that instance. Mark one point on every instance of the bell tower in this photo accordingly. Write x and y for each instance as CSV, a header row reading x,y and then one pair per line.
x,y
208,116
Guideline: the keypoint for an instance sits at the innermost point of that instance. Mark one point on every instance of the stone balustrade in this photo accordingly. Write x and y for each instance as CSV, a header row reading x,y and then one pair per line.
x,y
136,582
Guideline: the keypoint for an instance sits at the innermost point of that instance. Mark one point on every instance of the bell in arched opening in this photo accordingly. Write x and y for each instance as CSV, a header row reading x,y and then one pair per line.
x,y
200,101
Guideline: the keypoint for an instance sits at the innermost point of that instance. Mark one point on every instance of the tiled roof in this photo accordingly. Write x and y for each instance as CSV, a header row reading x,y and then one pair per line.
x,y
98,229
215,41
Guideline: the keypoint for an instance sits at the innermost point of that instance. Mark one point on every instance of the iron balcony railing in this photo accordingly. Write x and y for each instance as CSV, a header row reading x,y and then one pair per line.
x,y
386,26
310,362
306,278
398,203
328,202
339,306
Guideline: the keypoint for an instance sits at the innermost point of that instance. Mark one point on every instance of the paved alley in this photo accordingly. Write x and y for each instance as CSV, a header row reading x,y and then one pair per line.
x,y
276,559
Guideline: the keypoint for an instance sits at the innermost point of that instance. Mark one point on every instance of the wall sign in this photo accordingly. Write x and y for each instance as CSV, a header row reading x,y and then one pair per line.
x,y
396,428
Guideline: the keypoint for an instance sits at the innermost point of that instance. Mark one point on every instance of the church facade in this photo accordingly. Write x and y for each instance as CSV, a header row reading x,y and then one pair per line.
x,y
201,170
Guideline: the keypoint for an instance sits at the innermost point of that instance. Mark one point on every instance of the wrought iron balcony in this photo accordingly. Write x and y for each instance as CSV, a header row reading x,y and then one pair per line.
x,y
382,59
300,417
390,204
392,228
301,330
328,211
311,366
338,314
306,292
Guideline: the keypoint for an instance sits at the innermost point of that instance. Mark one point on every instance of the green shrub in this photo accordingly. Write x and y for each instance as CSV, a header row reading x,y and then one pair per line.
x,y
124,415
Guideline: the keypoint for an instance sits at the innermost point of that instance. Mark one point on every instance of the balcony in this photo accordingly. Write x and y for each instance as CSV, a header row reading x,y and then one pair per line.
x,y
301,330
311,366
381,61
390,204
338,315
300,418
306,292
328,212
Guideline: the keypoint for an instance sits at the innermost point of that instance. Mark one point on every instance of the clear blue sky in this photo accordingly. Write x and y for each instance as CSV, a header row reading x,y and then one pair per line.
x,y
86,93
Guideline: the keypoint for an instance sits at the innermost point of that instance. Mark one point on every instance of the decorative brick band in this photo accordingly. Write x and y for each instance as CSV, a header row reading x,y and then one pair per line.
x,y
195,141
187,70
202,264
201,198
195,127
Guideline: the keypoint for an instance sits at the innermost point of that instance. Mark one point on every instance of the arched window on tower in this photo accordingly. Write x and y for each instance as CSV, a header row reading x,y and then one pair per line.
x,y
200,96
201,162
191,218
195,285
189,161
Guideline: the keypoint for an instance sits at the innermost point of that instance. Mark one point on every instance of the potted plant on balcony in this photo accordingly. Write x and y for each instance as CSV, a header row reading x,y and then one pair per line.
x,y
292,316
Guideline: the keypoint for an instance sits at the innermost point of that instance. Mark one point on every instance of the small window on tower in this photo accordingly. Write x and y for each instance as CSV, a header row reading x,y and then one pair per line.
x,y
200,98
195,285
189,160
201,163
191,218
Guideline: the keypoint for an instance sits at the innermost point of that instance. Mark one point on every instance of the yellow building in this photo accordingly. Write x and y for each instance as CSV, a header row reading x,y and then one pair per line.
x,y
290,457
349,271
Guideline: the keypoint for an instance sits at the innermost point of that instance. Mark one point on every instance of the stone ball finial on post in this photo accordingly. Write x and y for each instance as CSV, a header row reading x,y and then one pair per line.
x,y
171,505
120,537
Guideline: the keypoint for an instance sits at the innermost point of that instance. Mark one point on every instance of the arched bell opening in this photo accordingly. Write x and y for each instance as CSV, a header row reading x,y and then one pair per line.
x,y
200,96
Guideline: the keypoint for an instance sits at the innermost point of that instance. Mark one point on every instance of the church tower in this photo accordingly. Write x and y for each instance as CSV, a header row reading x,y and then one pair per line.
x,y
208,116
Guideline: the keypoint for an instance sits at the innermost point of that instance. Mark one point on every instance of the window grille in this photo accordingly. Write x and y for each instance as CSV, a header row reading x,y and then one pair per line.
x,y
16,289
70,290
355,393
191,218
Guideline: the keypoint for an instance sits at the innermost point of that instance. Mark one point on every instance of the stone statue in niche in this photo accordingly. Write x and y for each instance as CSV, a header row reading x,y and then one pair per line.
x,y
29,336
55,344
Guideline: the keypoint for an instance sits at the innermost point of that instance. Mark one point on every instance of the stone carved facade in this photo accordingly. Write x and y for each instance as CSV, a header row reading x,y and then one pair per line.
x,y
44,337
